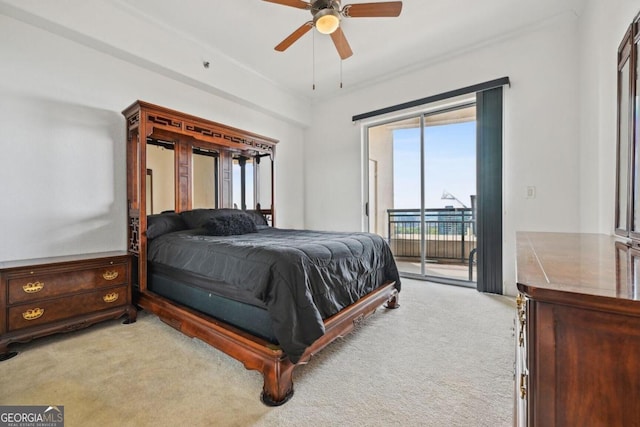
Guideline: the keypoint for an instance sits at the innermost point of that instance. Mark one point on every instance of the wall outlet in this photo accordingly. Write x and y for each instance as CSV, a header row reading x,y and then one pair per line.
x,y
531,192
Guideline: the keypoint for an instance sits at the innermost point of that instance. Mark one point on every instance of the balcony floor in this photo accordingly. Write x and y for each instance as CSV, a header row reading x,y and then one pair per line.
x,y
458,271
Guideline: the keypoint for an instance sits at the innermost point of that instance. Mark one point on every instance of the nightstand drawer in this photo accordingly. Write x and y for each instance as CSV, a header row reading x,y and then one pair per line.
x,y
46,311
37,286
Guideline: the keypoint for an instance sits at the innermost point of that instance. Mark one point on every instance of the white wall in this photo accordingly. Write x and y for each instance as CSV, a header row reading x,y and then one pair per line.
x,y
62,166
160,49
541,133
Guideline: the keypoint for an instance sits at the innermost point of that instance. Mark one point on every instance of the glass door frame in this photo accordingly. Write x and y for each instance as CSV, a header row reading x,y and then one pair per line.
x,y
449,104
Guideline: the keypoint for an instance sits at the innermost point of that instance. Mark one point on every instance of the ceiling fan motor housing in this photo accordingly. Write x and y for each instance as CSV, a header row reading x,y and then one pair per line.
x,y
322,5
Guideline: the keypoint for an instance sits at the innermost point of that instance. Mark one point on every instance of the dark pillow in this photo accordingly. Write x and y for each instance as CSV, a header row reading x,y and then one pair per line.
x,y
196,218
257,217
229,225
163,223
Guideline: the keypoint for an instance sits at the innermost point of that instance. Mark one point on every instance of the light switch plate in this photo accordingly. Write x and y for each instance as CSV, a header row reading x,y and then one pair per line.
x,y
531,192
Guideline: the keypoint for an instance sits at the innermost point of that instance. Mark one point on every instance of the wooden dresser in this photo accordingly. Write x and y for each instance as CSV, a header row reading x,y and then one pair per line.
x,y
48,295
578,359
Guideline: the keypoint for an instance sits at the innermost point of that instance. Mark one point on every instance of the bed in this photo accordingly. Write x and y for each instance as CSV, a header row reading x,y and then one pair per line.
x,y
268,297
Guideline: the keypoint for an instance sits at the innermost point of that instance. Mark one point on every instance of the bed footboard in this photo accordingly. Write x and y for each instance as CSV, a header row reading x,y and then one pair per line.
x,y
256,353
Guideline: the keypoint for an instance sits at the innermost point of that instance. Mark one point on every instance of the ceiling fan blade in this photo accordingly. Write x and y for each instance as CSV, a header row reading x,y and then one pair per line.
x,y
373,10
293,3
342,45
293,37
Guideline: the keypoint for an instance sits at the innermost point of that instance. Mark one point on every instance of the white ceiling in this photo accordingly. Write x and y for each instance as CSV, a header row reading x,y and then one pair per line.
x,y
174,37
246,31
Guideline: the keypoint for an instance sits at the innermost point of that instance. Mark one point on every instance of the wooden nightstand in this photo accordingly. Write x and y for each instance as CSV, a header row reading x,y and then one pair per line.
x,y
44,296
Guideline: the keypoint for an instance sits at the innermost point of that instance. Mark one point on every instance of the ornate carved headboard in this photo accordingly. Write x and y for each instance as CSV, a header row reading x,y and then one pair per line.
x,y
149,124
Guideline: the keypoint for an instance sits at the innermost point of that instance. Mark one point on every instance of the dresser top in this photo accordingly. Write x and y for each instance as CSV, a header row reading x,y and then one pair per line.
x,y
4,265
576,265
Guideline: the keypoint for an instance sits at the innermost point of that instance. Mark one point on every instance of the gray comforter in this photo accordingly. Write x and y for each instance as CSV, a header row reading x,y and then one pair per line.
x,y
302,277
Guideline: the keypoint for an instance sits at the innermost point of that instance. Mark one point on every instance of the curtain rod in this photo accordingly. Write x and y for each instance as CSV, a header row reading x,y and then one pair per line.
x,y
439,97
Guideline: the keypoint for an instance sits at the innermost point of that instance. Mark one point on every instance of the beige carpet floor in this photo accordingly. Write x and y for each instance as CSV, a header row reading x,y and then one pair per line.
x,y
445,358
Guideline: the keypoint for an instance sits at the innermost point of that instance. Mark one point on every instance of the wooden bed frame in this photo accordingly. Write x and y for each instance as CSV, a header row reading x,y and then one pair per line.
x,y
186,132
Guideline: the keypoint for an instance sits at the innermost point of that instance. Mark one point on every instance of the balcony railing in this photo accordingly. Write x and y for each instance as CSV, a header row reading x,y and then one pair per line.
x,y
449,233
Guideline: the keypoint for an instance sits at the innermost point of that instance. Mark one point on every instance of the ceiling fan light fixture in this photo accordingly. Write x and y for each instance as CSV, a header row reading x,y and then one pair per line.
x,y
327,21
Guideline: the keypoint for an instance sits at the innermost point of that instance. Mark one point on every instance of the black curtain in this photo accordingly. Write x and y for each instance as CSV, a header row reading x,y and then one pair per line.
x,y
489,182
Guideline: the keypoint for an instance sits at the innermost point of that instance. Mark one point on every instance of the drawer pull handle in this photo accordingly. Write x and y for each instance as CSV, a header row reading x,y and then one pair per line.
x,y
113,296
33,314
32,288
110,275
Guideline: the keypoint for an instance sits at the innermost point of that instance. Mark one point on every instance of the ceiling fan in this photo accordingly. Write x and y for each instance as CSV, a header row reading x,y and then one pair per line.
x,y
326,19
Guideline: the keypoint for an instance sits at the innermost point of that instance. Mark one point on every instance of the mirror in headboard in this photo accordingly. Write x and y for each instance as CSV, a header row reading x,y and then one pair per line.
x,y
264,185
195,163
242,182
252,182
205,179
160,160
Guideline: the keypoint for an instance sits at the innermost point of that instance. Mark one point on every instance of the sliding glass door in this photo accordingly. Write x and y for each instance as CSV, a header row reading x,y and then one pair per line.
x,y
449,187
422,195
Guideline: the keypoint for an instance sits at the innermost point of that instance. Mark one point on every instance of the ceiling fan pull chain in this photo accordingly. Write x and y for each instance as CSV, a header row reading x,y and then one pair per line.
x,y
313,61
341,74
